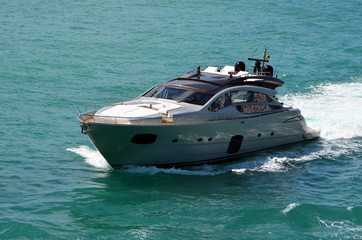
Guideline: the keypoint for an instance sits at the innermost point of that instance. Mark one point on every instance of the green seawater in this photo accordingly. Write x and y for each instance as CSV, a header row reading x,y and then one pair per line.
x,y
56,55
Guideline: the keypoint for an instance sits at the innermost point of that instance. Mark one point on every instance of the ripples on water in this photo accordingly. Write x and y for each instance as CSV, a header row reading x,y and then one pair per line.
x,y
56,55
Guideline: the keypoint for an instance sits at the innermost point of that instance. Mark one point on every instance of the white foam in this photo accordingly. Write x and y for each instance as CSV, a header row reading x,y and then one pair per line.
x,y
290,207
91,156
279,163
334,109
261,164
274,164
239,171
341,229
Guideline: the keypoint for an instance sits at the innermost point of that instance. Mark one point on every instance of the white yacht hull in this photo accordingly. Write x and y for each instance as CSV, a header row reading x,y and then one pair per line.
x,y
196,143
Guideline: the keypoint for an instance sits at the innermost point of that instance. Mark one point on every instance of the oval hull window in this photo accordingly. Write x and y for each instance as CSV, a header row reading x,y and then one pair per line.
x,y
144,138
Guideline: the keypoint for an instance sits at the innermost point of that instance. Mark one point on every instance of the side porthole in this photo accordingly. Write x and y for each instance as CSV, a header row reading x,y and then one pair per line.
x,y
144,138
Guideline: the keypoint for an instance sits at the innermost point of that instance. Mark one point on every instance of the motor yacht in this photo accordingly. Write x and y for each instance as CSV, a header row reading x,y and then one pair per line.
x,y
205,116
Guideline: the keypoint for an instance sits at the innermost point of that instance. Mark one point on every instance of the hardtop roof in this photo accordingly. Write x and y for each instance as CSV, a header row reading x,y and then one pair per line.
x,y
214,82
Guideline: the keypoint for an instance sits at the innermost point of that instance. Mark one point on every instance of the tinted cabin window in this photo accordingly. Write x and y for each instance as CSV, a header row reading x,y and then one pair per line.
x,y
244,98
271,99
255,108
228,99
251,104
250,96
220,103
261,97
180,95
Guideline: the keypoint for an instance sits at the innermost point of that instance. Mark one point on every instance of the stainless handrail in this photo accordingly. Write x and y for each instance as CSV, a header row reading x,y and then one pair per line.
x,y
87,111
159,121
93,107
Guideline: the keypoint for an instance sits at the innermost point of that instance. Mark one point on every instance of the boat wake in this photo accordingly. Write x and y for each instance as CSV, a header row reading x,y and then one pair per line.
x,y
331,108
334,109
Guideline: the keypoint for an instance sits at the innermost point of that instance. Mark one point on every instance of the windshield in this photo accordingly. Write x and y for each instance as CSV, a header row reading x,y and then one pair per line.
x,y
180,95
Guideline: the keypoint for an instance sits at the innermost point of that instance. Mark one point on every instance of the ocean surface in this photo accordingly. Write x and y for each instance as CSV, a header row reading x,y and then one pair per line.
x,y
56,55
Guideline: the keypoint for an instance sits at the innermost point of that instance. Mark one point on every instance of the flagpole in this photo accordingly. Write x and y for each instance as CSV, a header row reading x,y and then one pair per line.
x,y
264,57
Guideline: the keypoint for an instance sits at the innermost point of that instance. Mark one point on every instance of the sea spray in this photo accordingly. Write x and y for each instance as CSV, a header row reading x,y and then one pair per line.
x,y
331,108
91,156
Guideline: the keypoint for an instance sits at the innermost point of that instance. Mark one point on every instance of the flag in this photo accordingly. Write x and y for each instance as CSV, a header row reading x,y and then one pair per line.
x,y
267,56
